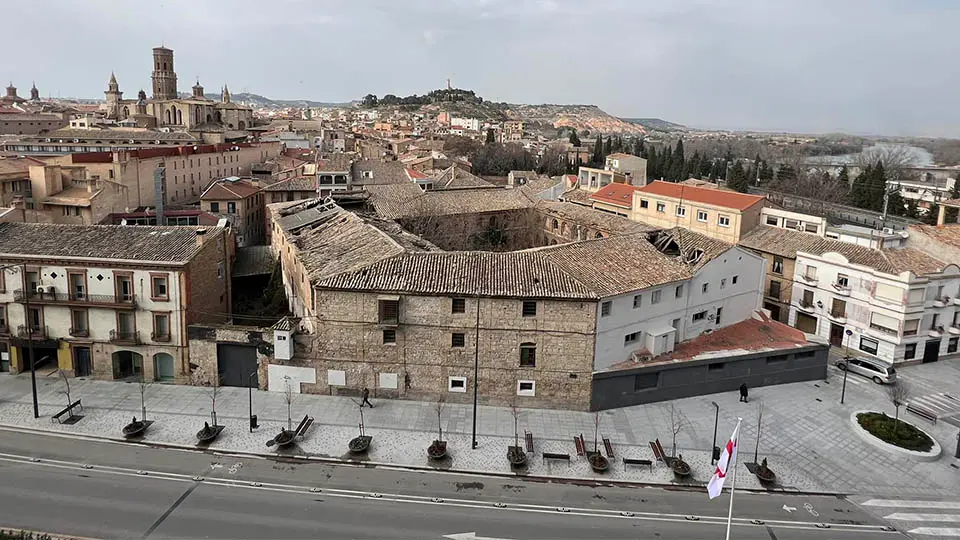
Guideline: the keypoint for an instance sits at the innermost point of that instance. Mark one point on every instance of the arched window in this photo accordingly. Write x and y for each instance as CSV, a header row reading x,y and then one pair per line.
x,y
197,116
168,116
126,111
556,224
217,116
179,116
164,66
242,125
209,118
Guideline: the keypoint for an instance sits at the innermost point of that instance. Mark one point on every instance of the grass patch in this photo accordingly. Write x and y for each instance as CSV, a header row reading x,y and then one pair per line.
x,y
896,433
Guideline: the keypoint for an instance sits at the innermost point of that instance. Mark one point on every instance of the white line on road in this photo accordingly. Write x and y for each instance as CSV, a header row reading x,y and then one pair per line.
x,y
932,505
945,518
936,531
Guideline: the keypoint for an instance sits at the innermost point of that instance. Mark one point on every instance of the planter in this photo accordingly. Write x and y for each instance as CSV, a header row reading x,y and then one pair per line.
x,y
209,433
932,455
680,468
285,438
437,450
764,474
598,463
516,456
135,428
361,444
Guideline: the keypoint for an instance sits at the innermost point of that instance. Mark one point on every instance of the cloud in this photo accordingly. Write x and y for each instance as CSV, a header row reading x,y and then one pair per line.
x,y
428,37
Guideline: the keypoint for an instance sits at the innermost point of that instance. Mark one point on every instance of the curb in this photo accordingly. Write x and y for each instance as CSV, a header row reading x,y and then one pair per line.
x,y
866,436
304,458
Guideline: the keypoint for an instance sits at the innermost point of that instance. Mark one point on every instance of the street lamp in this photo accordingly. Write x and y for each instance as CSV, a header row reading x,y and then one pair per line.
x,y
715,452
253,419
476,372
846,367
29,326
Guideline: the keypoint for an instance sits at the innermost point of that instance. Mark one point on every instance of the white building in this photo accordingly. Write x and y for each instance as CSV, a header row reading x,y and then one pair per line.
x,y
899,305
927,189
472,124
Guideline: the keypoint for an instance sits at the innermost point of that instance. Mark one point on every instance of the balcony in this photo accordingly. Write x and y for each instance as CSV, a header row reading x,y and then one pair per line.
x,y
812,280
161,338
942,301
806,306
73,299
935,331
841,290
124,337
838,315
955,329
4,330
956,300
885,330
79,332
37,333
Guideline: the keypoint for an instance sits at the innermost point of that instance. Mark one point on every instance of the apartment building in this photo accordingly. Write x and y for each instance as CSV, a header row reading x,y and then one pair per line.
x,y
109,302
241,202
720,214
15,178
898,305
615,199
634,168
591,179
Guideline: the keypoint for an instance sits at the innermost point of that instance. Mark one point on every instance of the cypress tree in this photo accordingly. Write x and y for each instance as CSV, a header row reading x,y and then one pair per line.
x,y
738,178
574,140
597,159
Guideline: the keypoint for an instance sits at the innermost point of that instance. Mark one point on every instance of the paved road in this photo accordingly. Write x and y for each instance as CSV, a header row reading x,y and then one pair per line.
x,y
111,490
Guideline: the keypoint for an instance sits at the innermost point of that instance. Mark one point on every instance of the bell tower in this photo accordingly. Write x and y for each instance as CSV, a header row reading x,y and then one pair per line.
x,y
114,95
164,77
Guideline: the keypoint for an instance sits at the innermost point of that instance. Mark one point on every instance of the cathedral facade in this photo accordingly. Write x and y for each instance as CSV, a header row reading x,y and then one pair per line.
x,y
167,109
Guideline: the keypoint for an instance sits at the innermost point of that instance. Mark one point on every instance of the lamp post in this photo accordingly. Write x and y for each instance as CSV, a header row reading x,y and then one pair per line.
x,y
29,327
253,420
476,372
846,357
716,419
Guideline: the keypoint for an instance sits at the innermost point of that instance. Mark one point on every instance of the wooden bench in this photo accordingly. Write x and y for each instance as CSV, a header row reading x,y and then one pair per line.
x,y
581,446
922,412
659,453
67,411
304,425
553,455
528,441
608,446
640,462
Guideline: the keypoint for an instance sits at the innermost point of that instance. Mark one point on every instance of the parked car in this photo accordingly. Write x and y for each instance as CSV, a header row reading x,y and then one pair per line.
x,y
879,371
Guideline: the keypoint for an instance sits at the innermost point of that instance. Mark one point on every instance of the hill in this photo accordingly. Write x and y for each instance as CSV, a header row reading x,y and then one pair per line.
x,y
656,124
257,100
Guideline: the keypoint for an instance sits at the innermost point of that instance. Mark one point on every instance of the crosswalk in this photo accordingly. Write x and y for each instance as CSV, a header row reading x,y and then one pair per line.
x,y
921,518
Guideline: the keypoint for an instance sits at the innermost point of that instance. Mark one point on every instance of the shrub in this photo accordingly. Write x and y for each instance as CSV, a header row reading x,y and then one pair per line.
x,y
893,432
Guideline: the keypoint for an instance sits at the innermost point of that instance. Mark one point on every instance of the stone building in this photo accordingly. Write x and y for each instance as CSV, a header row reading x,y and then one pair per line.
x,y
240,202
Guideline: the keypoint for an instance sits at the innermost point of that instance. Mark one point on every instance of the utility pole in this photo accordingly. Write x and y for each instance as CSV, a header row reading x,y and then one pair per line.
x,y
476,373
29,328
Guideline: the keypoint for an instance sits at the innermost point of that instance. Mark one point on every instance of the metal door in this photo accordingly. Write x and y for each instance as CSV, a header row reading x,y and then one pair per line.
x,y
236,364
931,351
82,366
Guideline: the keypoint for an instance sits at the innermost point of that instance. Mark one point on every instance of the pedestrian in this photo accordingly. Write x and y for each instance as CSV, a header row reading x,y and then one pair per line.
x,y
366,398
743,392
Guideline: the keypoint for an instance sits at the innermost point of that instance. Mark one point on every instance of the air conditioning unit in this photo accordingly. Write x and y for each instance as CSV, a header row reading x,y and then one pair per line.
x,y
40,290
887,230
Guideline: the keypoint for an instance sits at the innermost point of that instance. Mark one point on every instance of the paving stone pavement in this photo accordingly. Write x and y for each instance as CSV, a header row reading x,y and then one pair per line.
x,y
805,433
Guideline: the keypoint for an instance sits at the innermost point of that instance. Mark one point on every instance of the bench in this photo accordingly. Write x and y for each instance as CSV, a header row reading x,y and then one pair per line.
x,y
640,462
552,455
581,446
659,453
528,441
304,425
68,411
608,446
922,412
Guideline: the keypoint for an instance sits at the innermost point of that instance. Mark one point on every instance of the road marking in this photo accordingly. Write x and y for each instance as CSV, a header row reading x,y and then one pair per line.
x,y
809,508
470,536
936,531
789,508
894,503
946,518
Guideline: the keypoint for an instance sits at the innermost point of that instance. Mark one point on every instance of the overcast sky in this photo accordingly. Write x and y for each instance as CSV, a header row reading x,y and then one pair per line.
x,y
863,66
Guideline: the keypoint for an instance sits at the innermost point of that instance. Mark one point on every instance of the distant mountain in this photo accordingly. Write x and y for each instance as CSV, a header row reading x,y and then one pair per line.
x,y
265,102
656,124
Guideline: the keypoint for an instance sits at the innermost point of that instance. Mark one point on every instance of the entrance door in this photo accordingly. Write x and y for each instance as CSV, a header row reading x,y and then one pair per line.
x,y
806,323
163,363
82,366
931,351
236,363
836,335
774,310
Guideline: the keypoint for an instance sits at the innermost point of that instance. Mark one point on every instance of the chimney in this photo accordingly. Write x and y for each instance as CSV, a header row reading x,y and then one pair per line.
x,y
201,235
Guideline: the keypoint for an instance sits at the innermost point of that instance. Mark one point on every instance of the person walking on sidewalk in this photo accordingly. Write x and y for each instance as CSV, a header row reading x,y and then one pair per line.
x,y
743,392
366,398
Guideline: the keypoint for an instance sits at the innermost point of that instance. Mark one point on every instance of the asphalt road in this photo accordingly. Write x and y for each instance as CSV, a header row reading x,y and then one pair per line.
x,y
111,490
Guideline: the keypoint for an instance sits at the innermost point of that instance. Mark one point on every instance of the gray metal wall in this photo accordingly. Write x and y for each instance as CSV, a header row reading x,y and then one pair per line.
x,y
614,389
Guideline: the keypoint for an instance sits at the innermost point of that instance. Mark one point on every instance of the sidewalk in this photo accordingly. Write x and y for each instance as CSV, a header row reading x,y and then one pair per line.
x,y
806,436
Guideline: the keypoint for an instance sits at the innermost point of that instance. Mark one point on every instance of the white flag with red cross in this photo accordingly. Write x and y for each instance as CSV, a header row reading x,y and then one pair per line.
x,y
728,457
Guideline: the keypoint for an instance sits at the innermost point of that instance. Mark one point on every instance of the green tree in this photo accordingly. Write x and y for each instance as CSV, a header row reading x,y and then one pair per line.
x,y
930,217
491,138
877,187
608,147
859,196
574,140
766,172
677,163
844,176
738,178
951,215
369,101
597,159
911,210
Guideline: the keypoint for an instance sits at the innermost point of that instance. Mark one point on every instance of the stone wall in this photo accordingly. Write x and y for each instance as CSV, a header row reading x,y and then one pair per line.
x,y
507,230
207,284
202,350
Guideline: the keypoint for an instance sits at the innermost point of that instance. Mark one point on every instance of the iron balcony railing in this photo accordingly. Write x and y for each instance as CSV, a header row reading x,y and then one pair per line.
x,y
74,298
37,332
120,336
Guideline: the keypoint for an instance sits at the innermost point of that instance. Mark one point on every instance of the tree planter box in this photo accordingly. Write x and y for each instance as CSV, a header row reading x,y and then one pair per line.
x,y
681,468
361,444
136,429
285,438
598,463
437,450
516,456
209,433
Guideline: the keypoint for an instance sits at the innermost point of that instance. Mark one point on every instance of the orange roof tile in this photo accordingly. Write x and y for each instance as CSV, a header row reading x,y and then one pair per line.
x,y
416,175
718,197
618,194
227,190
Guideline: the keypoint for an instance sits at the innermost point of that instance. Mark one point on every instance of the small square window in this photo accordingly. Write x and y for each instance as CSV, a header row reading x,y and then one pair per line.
x,y
655,297
526,388
910,351
529,308
459,305
661,207
678,292
644,203
701,216
632,338
699,316
389,336
723,221
723,283
734,279
605,308
214,207
528,355
458,339
681,211
705,288
457,384
637,300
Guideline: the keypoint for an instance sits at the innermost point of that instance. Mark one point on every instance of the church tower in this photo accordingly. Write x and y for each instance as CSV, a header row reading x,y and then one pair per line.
x,y
198,90
225,95
164,77
34,93
142,103
114,95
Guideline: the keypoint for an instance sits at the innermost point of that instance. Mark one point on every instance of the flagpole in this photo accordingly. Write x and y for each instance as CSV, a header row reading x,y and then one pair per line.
x,y
733,481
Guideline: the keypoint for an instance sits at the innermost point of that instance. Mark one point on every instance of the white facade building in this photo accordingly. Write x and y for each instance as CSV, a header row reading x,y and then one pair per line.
x,y
466,123
902,307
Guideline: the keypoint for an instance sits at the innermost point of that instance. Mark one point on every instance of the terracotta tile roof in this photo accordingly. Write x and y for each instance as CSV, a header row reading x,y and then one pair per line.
x,y
383,172
18,165
787,243
593,219
119,134
621,155
616,194
453,176
718,197
119,242
948,234
297,183
416,175
227,190
577,196
397,201
336,163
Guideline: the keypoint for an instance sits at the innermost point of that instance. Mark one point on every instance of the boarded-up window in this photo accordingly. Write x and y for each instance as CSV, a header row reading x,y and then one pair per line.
x,y
884,323
389,311
889,293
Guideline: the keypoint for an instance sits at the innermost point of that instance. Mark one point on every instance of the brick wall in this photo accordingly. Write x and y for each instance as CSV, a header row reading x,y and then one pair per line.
x,y
207,283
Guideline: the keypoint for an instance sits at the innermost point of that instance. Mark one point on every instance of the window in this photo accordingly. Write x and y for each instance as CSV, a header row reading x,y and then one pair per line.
x,y
79,323
678,292
388,311
219,270
778,265
528,355
779,360
637,300
811,228
661,207
126,323
605,308
699,316
655,297
214,207
526,388
529,308
888,293
161,327
843,281
556,224
646,381
458,339
838,308
884,323
701,216
719,311
78,285
807,300
773,220
681,211
910,351
952,344
158,287
457,384
389,336
231,207
124,284
734,280
723,221
791,224
644,203
723,283
869,345
716,366
632,338
705,288
459,305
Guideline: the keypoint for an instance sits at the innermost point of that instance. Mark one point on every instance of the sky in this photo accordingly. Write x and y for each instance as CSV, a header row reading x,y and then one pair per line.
x,y
882,67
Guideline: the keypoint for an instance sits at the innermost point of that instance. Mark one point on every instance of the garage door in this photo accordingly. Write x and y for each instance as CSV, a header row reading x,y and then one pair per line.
x,y
236,363
806,323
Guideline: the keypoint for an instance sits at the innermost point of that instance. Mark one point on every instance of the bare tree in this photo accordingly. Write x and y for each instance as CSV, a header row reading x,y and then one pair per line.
x,y
895,158
288,397
143,384
66,390
515,411
439,406
212,385
423,216
898,392
678,421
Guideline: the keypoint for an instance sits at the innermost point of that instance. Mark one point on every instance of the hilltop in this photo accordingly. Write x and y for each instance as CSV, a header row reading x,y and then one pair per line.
x,y
256,100
656,124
